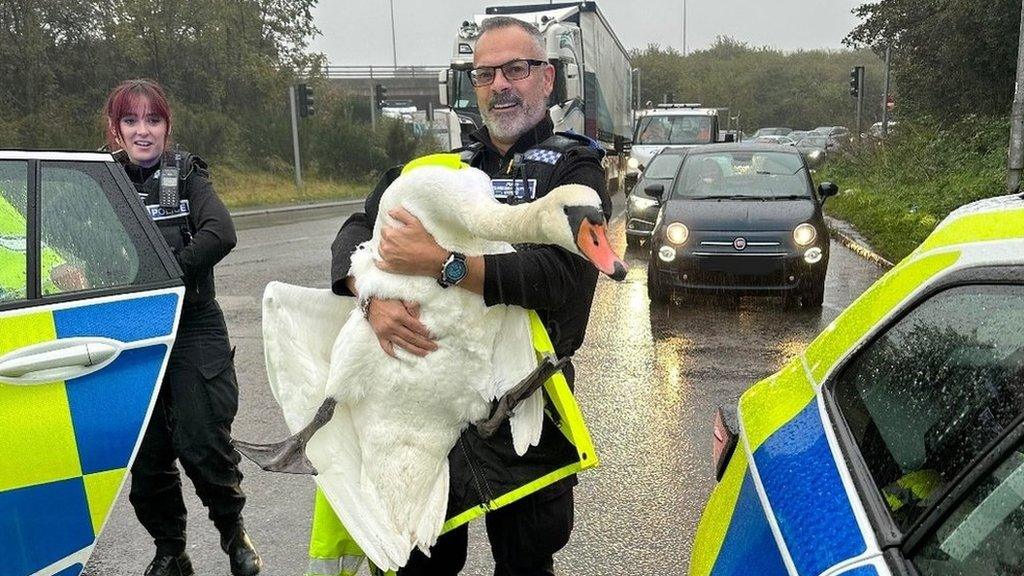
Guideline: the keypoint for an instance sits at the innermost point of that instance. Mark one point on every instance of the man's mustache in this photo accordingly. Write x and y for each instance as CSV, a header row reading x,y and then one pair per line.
x,y
503,98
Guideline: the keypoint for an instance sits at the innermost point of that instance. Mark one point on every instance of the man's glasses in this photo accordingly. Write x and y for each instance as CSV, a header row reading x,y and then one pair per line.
x,y
511,70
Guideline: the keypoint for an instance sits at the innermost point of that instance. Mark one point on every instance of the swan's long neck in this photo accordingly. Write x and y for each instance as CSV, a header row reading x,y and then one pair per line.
x,y
518,224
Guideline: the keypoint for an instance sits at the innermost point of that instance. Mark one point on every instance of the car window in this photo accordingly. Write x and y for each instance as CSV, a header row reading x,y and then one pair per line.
x,y
90,239
13,259
984,533
663,166
675,129
763,175
925,397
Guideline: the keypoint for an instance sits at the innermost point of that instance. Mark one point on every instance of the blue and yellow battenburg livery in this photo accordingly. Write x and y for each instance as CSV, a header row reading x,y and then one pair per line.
x,y
786,503
66,445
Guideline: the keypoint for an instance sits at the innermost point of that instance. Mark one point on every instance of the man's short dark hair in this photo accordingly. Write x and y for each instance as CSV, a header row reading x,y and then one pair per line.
x,y
499,22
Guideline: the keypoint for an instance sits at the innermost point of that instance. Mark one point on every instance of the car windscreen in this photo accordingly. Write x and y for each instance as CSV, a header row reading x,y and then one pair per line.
x,y
746,174
927,396
663,167
676,129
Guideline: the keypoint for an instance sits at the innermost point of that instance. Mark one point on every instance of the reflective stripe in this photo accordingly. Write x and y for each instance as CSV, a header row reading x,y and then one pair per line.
x,y
344,566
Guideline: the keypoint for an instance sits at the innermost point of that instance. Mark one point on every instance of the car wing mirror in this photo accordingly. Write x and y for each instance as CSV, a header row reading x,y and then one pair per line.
x,y
655,191
827,189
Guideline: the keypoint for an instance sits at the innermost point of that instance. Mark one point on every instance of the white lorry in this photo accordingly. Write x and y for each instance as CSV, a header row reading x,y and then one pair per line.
x,y
673,125
593,78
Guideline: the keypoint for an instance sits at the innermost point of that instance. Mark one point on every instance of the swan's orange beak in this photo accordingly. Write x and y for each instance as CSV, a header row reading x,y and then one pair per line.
x,y
592,241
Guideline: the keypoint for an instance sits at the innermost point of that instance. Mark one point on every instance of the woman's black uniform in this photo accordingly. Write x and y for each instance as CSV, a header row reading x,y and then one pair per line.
x,y
199,396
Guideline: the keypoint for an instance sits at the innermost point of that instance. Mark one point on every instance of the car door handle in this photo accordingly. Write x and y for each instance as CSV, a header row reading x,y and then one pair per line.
x,y
57,360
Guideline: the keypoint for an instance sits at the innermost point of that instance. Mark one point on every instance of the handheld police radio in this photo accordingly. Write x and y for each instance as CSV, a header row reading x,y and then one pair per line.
x,y
170,169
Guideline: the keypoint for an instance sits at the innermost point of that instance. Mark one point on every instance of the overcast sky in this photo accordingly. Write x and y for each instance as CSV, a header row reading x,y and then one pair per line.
x,y
359,32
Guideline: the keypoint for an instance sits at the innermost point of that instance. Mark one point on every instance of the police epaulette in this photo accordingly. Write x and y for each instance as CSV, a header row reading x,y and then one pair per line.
x,y
582,139
467,152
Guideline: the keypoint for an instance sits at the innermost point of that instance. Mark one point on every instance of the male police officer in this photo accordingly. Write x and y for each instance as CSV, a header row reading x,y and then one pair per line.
x,y
525,159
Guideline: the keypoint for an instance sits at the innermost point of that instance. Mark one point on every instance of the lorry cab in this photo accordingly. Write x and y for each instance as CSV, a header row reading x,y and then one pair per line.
x,y
677,125
591,96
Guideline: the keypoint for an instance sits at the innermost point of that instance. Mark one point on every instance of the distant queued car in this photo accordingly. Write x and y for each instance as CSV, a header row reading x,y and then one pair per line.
x,y
89,301
771,131
796,135
743,219
894,444
643,202
818,142
773,139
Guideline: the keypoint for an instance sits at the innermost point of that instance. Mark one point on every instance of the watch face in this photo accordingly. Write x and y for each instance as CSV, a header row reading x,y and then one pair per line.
x,y
455,270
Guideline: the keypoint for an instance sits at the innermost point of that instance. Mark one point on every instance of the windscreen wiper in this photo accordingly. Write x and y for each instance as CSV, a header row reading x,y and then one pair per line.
x,y
727,197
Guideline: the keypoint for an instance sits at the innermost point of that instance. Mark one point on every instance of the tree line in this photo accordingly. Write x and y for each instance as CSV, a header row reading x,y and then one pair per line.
x,y
950,59
226,67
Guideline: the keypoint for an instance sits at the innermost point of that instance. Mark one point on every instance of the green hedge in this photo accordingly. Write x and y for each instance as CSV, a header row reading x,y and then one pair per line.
x,y
896,191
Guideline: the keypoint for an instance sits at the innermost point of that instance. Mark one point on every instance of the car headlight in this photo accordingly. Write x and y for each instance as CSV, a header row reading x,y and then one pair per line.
x,y
633,163
677,233
642,202
804,234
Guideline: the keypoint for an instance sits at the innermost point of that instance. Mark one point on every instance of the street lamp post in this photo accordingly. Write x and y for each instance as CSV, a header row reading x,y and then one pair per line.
x,y
684,27
394,47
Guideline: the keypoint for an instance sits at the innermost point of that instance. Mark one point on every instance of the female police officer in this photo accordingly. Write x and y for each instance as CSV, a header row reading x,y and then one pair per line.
x,y
199,396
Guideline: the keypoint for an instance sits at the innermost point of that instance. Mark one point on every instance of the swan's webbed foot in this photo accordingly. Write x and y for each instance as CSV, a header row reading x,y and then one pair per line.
x,y
506,404
288,456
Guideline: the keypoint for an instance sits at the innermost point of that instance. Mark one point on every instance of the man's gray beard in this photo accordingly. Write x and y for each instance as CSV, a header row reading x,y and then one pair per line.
x,y
511,127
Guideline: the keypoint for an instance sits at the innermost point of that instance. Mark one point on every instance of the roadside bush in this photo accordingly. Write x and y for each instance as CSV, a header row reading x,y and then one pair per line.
x,y
896,191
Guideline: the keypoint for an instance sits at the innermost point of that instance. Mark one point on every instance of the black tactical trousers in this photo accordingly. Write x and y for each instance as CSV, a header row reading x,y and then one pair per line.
x,y
524,537
191,422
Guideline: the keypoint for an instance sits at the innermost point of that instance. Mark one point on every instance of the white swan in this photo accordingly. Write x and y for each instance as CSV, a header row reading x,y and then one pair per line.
x,y
382,451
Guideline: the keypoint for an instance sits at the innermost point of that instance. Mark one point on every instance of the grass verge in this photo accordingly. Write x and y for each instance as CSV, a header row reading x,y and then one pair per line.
x,y
897,192
248,188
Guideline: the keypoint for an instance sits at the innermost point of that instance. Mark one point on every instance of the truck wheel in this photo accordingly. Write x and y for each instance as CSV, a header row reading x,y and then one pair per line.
x,y
656,291
814,296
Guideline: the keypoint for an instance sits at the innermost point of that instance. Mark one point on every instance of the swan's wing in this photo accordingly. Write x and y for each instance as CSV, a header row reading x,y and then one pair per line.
x,y
335,451
299,328
513,359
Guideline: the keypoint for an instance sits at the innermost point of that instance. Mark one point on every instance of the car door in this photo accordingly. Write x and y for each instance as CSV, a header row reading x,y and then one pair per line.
x,y
929,418
89,304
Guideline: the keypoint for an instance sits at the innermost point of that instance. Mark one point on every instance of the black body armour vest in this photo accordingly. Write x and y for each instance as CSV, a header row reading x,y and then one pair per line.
x,y
528,175
176,225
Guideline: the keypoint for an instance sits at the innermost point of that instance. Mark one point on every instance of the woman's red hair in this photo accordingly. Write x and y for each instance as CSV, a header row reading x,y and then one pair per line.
x,y
127,98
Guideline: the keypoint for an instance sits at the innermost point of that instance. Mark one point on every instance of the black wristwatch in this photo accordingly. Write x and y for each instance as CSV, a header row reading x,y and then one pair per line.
x,y
454,270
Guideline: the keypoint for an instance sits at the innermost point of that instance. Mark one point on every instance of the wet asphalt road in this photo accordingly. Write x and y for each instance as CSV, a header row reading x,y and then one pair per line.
x,y
647,380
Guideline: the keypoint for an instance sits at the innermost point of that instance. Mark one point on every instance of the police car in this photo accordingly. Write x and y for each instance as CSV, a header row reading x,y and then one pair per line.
x,y
90,296
894,445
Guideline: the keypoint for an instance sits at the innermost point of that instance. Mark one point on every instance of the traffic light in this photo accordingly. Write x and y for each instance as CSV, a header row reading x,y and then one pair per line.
x,y
855,81
304,95
380,93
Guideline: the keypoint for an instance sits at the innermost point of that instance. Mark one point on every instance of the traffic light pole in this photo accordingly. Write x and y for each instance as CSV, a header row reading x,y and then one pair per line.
x,y
373,105
885,94
860,98
295,137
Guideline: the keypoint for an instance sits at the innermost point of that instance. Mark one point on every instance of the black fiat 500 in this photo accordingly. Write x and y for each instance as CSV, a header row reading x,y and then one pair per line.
x,y
743,219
